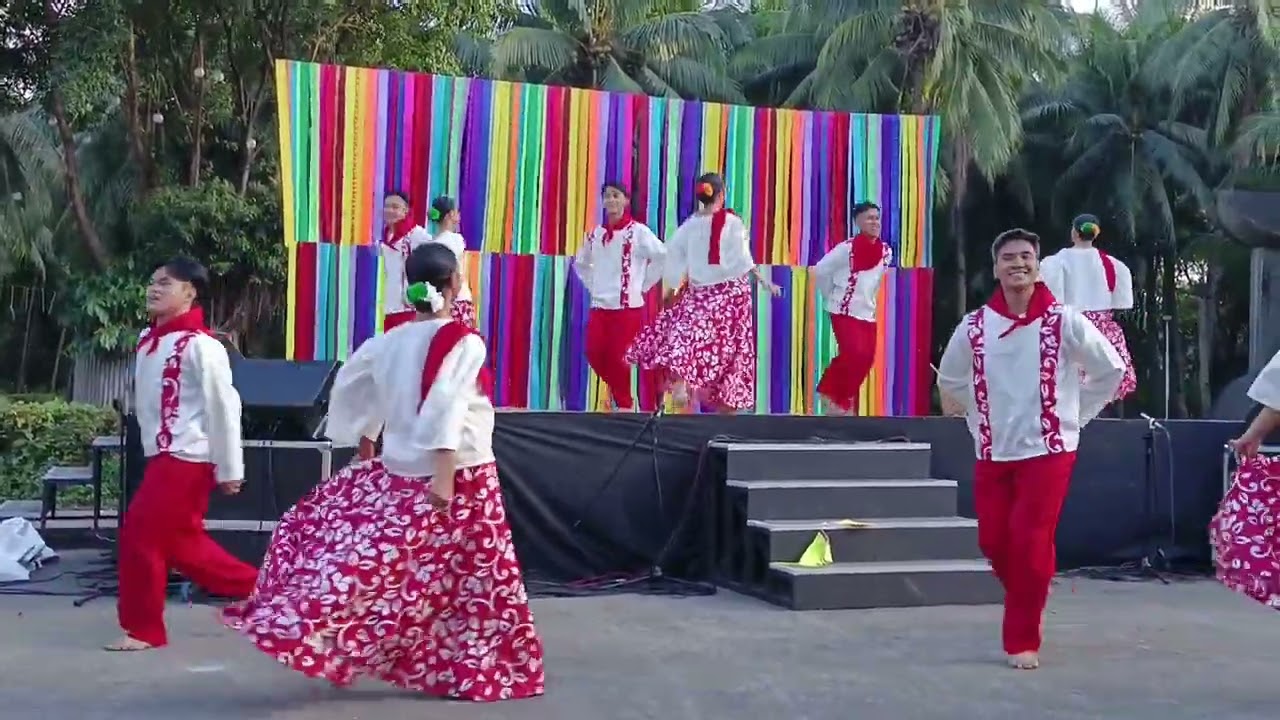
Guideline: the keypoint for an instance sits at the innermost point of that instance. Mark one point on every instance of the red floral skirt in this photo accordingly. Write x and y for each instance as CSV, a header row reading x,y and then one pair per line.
x,y
1244,533
363,577
1111,329
707,338
464,311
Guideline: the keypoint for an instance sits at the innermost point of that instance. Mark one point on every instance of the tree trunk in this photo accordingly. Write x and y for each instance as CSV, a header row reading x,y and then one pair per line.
x,y
197,123
1174,396
71,178
1207,332
139,149
26,341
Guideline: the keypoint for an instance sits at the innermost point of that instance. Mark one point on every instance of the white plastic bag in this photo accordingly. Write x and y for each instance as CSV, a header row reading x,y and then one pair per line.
x,y
21,550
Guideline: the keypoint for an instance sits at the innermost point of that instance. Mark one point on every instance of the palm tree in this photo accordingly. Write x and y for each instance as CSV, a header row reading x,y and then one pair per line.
x,y
670,48
1129,156
965,60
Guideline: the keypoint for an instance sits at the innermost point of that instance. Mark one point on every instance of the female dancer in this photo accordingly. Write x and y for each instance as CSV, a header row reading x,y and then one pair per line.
x,y
444,213
619,262
1243,532
706,338
402,567
1091,281
189,415
401,237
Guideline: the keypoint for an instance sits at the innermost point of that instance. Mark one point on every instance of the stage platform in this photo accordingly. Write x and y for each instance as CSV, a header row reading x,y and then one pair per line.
x,y
595,500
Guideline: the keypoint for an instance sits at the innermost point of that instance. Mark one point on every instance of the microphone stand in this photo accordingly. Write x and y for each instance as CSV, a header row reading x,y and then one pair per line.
x,y
1153,552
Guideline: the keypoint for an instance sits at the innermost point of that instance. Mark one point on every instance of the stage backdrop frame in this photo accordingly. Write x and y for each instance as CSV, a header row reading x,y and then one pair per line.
x,y
527,161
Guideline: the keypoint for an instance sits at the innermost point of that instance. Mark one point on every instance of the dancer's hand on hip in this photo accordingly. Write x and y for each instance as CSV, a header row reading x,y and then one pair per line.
x,y
231,488
442,490
1246,446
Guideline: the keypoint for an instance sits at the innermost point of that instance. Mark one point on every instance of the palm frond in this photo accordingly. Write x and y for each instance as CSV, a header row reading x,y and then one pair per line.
x,y
524,48
689,34
693,79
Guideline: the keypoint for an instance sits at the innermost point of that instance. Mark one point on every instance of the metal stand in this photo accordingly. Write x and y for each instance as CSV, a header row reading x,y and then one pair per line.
x,y
1154,561
656,572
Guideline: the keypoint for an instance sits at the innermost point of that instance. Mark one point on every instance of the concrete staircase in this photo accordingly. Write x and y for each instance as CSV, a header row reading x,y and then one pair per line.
x,y
904,547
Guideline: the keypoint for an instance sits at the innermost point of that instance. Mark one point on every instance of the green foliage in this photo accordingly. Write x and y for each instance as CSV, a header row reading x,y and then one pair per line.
x,y
106,311
35,436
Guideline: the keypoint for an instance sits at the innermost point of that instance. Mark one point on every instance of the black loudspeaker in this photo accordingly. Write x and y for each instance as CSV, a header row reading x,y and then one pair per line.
x,y
282,400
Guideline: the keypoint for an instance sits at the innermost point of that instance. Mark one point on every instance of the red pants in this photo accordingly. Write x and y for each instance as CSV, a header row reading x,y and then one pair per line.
x,y
164,528
856,343
391,320
1018,503
609,334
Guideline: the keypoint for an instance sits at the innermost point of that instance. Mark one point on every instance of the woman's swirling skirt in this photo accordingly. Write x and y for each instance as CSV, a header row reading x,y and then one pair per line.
x,y
1106,323
1244,533
364,577
708,339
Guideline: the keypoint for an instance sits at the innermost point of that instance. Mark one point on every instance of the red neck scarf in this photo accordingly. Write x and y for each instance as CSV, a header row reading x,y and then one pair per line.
x,y
445,340
1108,269
189,321
611,227
398,229
1041,299
866,253
717,229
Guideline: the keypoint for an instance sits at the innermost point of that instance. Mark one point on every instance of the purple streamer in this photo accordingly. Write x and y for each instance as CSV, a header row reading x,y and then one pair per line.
x,y
475,159
366,290
780,340
889,164
690,156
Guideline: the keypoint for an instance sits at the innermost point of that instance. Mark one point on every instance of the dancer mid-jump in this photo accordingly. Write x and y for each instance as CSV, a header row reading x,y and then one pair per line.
x,y
1028,374
849,278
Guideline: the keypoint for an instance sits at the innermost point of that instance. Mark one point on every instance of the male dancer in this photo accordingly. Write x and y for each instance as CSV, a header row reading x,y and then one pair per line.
x,y
189,417
849,277
1028,374
620,261
401,237
1094,283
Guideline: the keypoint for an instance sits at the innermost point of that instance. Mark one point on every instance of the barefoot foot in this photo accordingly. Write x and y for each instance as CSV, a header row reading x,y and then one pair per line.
x,y
1024,661
128,644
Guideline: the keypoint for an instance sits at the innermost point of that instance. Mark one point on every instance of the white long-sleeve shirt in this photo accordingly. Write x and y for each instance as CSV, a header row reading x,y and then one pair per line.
x,y
394,256
186,404
458,245
847,292
1266,387
1024,395
379,389
687,252
618,274
1076,277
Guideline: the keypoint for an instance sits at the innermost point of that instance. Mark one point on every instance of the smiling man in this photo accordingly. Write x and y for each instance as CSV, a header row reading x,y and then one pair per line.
x,y
1027,373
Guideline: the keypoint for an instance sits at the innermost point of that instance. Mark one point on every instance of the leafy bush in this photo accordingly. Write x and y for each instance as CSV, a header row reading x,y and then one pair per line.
x,y
37,435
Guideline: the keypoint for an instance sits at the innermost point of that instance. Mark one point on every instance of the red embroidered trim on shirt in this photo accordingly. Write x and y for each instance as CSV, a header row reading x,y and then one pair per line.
x,y
170,391
1050,352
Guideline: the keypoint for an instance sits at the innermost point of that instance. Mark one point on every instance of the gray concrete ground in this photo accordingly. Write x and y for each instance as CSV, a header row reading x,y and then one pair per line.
x,y
1115,651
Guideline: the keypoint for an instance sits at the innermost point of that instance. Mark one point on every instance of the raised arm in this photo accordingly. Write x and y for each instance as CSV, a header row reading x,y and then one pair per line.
x,y
1097,357
353,414
222,409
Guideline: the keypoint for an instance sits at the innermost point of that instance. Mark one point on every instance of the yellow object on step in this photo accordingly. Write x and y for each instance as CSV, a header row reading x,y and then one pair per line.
x,y
818,554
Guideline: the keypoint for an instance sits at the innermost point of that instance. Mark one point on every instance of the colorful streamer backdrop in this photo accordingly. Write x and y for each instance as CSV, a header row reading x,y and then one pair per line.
x,y
526,163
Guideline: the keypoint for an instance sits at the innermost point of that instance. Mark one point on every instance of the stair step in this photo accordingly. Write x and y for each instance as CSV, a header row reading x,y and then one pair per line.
x,y
864,499
860,585
874,540
857,461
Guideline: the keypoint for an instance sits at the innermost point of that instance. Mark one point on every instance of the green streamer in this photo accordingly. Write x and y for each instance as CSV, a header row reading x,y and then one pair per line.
x,y
560,314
